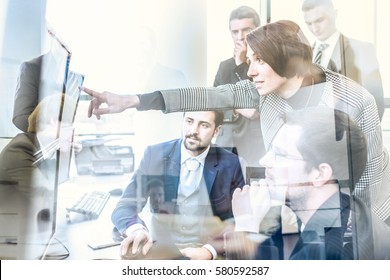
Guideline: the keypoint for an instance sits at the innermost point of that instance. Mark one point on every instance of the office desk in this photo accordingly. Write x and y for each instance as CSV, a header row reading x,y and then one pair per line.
x,y
76,235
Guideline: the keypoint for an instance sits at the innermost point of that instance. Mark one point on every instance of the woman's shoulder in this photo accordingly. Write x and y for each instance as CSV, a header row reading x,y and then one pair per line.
x,y
347,89
346,95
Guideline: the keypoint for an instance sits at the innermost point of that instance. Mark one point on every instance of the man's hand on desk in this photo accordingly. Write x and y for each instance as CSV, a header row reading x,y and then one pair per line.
x,y
137,241
197,253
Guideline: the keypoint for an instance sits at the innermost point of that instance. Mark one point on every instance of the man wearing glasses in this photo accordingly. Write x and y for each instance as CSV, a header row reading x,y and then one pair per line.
x,y
315,160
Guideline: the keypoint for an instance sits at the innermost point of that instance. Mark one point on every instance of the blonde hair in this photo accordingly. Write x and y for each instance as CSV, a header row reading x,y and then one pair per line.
x,y
51,108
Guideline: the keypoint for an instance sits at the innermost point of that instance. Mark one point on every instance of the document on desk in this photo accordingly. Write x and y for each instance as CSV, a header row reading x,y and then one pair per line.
x,y
103,238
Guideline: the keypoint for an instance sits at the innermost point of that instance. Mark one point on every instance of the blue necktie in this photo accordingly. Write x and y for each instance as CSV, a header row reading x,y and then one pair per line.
x,y
191,178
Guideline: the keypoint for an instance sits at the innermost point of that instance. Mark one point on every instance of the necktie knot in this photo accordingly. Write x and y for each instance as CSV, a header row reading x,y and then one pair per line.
x,y
191,177
322,47
192,164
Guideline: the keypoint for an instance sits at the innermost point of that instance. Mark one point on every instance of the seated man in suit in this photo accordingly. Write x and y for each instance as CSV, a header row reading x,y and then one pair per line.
x,y
192,204
352,58
314,162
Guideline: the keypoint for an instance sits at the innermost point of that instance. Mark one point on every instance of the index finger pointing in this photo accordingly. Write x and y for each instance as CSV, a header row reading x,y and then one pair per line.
x,y
92,92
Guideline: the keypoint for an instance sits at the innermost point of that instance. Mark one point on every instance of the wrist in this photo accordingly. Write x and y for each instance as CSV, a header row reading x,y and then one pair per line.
x,y
133,228
210,249
131,101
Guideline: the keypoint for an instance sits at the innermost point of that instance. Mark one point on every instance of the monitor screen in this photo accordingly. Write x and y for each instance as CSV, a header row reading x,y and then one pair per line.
x,y
72,89
28,210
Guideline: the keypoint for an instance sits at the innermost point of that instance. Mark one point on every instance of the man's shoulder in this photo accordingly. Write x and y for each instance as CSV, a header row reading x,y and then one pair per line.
x,y
34,62
164,147
222,152
358,45
354,40
227,62
168,143
32,66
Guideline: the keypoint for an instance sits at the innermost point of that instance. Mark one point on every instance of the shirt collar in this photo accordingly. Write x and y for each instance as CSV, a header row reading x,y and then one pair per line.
x,y
186,155
331,41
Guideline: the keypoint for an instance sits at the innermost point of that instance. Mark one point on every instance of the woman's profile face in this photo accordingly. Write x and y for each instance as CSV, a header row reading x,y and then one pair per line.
x,y
265,78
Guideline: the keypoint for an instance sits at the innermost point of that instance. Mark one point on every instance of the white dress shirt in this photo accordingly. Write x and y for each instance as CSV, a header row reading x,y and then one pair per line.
x,y
327,53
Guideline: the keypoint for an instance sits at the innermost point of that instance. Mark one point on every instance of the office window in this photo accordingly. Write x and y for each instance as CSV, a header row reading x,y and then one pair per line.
x,y
127,47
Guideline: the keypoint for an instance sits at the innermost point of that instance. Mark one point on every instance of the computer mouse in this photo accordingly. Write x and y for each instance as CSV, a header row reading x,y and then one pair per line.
x,y
44,215
116,192
129,254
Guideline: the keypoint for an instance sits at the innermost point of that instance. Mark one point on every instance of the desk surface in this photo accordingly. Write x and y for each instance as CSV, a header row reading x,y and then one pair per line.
x,y
77,234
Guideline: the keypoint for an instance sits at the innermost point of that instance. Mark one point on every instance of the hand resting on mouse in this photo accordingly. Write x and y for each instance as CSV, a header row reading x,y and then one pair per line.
x,y
137,242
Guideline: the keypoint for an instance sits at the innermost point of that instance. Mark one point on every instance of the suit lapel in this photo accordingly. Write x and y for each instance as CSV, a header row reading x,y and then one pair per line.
x,y
210,170
337,56
172,170
344,58
349,67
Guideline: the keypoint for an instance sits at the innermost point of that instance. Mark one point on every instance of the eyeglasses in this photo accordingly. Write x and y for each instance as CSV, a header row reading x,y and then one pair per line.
x,y
279,154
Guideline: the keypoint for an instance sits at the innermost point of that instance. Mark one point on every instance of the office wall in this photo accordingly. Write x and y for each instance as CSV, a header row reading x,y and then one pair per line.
x,y
21,27
383,43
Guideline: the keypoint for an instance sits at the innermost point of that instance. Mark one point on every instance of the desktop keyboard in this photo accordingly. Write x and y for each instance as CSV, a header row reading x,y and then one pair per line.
x,y
90,204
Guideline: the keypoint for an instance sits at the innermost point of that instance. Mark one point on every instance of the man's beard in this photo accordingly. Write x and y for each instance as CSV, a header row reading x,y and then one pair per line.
x,y
195,147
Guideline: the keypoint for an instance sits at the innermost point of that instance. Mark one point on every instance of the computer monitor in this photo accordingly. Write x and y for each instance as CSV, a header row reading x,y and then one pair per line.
x,y
72,89
28,216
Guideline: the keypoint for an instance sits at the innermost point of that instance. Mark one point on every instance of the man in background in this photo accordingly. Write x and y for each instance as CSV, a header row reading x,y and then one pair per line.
x,y
241,130
352,58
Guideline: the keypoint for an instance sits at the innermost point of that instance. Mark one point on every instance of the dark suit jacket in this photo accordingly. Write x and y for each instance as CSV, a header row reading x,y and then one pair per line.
x,y
230,73
243,134
323,238
222,174
357,60
27,92
17,168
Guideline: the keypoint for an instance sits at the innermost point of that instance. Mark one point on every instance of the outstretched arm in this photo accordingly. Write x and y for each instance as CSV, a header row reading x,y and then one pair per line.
x,y
230,96
238,96
114,103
